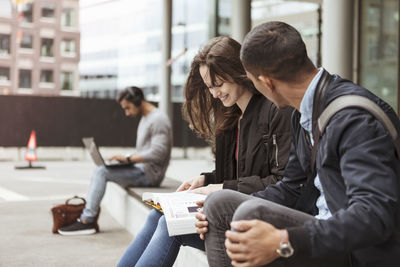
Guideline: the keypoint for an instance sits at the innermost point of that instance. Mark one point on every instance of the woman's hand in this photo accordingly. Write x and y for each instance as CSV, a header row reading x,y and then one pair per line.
x,y
191,184
206,190
202,223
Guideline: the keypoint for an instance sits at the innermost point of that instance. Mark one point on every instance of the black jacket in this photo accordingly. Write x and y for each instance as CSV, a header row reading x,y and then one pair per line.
x,y
360,176
264,143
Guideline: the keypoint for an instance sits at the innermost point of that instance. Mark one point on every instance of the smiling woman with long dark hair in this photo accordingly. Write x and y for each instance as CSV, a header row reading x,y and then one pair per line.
x,y
250,139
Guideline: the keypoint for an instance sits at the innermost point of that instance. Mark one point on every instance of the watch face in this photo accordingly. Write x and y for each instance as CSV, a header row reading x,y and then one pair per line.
x,y
286,250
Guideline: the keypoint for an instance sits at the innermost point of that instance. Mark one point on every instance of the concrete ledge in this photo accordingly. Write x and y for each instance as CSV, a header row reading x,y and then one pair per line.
x,y
128,209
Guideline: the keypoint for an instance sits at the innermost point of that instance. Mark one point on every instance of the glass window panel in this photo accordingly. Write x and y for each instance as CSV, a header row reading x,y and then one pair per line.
x,y
68,17
379,44
47,48
47,10
46,76
25,78
224,17
68,46
4,74
27,13
67,80
26,41
4,44
302,15
5,8
190,25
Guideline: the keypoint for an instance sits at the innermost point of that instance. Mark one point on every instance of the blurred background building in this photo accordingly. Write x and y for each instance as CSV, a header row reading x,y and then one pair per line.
x,y
151,43
121,39
39,47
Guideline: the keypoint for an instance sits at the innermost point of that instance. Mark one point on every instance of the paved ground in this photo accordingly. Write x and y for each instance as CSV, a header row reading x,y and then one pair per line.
x,y
26,197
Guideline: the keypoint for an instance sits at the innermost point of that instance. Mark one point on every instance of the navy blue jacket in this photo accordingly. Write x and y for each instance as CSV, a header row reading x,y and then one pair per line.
x,y
360,176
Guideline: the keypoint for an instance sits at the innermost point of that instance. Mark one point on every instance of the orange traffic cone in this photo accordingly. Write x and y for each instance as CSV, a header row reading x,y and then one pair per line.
x,y
30,154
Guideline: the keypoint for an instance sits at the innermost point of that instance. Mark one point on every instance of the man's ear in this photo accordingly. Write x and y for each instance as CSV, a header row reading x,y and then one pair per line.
x,y
267,82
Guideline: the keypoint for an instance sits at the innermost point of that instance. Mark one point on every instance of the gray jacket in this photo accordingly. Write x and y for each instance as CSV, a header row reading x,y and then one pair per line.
x,y
153,144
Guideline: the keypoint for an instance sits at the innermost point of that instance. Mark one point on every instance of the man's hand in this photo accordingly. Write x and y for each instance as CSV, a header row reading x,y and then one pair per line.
x,y
133,158
252,243
191,184
206,190
202,222
119,158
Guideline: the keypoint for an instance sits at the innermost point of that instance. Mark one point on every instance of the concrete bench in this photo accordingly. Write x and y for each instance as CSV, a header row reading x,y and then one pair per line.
x,y
126,206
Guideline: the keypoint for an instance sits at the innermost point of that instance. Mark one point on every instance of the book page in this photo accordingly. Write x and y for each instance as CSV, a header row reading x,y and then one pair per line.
x,y
179,208
180,204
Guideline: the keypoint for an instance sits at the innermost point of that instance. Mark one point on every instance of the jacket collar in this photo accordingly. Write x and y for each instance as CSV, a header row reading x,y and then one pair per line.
x,y
306,106
251,106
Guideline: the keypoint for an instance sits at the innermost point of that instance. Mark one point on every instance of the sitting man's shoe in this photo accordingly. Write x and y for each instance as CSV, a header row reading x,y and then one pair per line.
x,y
78,228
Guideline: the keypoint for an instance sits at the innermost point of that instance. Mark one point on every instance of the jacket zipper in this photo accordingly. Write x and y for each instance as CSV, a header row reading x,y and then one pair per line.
x,y
276,149
238,143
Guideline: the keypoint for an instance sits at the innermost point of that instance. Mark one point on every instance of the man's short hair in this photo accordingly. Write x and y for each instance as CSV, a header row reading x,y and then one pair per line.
x,y
132,94
275,49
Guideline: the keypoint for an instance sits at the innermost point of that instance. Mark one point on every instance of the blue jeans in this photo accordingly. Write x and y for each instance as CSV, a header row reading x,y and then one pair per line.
x,y
124,176
153,247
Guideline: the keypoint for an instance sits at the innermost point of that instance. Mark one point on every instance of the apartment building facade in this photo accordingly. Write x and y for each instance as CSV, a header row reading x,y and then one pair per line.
x,y
39,47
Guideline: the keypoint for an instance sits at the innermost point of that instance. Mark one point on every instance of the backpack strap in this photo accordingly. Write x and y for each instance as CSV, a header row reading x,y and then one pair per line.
x,y
358,101
319,95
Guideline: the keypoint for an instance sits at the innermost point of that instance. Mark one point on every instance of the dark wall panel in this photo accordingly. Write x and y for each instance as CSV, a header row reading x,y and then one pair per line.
x,y
63,121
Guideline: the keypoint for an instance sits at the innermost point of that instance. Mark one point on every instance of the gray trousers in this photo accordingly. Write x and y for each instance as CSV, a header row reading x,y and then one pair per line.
x,y
124,176
225,206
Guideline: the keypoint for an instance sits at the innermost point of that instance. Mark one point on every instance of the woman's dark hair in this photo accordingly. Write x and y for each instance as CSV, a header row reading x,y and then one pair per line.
x,y
275,49
206,115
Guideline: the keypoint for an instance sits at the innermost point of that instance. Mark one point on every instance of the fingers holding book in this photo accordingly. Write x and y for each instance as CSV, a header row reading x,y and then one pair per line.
x,y
202,223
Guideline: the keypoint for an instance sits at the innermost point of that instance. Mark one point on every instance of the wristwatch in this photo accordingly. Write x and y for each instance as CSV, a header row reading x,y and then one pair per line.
x,y
285,249
128,158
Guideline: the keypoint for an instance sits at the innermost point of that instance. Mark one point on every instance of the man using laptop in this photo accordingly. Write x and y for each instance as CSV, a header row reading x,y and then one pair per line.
x,y
98,158
149,163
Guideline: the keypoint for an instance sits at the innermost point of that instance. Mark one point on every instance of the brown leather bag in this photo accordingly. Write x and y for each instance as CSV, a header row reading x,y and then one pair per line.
x,y
67,213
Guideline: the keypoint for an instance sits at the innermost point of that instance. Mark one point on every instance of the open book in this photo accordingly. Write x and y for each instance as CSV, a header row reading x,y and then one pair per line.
x,y
179,209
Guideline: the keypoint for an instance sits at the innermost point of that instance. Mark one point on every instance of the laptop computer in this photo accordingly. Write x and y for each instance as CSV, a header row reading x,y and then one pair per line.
x,y
96,156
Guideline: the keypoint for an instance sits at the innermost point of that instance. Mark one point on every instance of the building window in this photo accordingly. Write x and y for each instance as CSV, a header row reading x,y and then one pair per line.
x,y
4,74
379,48
46,76
68,47
25,78
4,44
27,13
224,17
5,9
47,48
67,80
47,10
301,14
27,41
68,17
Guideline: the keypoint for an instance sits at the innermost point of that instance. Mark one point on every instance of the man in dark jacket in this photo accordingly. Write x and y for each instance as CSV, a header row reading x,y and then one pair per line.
x,y
343,210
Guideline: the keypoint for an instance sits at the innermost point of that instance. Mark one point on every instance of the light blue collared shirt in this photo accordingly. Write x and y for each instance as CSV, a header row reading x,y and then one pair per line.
x,y
306,108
